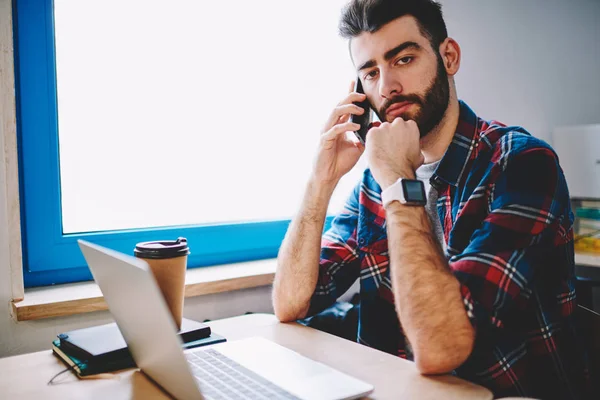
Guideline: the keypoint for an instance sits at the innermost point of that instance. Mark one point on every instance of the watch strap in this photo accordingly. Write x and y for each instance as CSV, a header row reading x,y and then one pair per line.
x,y
395,192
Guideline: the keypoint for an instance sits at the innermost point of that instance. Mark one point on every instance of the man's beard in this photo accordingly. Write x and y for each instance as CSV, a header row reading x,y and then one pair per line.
x,y
432,106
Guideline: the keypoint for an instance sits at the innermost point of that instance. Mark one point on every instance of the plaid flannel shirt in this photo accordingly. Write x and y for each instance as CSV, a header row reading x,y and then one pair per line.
x,y
505,211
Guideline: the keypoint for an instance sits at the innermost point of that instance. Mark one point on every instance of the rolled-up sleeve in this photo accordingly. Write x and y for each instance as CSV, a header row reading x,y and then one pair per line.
x,y
527,214
339,265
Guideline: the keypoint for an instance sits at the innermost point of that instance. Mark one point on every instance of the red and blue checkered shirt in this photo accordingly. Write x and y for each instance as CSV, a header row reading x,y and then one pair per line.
x,y
505,211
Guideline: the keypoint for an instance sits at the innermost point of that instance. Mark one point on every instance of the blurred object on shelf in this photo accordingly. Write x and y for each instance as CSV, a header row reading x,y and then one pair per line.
x,y
587,225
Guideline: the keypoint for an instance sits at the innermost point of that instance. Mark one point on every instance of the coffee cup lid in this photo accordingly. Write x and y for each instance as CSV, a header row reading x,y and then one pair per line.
x,y
162,249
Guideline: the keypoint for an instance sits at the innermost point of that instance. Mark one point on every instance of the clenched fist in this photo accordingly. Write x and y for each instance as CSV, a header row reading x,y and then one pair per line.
x,y
393,151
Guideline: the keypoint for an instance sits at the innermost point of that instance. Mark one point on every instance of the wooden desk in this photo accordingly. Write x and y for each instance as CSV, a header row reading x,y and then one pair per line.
x,y
26,376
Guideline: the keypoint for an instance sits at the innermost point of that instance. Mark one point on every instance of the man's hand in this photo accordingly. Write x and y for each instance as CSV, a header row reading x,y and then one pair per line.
x,y
298,260
394,151
337,154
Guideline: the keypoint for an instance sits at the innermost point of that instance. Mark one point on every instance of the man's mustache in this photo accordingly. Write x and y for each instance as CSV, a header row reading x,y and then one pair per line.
x,y
410,98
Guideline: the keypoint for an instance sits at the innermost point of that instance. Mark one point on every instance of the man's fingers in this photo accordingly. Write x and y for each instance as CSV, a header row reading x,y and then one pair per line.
x,y
342,119
348,109
340,128
342,110
345,106
359,146
353,97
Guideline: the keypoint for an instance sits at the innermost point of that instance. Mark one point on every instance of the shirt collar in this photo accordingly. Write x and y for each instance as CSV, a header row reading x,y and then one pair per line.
x,y
454,162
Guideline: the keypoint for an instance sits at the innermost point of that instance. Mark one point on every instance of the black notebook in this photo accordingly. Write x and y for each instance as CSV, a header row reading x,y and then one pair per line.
x,y
104,343
85,368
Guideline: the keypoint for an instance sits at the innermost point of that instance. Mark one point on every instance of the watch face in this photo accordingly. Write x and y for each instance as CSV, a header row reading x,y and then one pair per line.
x,y
414,191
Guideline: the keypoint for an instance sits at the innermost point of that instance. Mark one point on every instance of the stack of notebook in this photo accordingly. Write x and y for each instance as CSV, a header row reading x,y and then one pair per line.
x,y
102,349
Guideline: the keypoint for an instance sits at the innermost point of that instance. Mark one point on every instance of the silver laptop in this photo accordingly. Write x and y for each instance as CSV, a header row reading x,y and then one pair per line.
x,y
253,368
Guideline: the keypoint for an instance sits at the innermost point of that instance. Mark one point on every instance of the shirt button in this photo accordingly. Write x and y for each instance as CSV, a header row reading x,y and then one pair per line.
x,y
361,241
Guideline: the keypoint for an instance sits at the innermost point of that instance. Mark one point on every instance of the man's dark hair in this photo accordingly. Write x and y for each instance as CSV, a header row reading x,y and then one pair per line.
x,y
360,16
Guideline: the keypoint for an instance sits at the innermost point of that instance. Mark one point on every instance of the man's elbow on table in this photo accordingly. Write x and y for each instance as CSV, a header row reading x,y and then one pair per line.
x,y
284,315
437,360
287,313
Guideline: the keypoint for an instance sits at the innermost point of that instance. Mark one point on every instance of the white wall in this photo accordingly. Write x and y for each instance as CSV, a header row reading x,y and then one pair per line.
x,y
532,63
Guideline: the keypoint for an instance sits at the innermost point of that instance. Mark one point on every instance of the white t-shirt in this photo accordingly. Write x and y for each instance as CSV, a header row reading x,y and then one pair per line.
x,y
424,173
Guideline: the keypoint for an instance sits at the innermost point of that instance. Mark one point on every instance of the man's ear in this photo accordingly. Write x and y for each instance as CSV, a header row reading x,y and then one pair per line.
x,y
450,52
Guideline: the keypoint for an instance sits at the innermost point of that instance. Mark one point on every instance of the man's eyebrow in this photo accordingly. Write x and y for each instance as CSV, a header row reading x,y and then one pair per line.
x,y
391,54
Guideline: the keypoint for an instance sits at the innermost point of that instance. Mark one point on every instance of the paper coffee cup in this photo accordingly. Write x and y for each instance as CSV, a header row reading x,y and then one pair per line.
x,y
168,261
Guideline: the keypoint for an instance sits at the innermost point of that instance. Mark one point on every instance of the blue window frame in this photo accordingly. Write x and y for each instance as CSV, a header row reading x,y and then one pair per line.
x,y
49,255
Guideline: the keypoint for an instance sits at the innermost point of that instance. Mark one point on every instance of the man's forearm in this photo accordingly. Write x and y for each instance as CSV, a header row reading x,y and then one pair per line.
x,y
298,259
428,298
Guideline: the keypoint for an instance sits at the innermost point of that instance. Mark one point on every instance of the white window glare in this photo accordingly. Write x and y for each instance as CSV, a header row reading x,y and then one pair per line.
x,y
193,111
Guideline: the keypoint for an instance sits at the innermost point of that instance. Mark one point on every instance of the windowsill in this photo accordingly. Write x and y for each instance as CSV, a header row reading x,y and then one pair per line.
x,y
83,297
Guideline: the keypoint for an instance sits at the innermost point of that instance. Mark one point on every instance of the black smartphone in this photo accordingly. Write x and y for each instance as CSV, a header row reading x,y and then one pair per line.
x,y
365,119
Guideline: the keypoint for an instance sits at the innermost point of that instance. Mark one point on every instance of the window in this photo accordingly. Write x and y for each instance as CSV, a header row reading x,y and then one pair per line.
x,y
143,120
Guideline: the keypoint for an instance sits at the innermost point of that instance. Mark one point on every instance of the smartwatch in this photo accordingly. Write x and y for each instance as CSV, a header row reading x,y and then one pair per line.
x,y
407,191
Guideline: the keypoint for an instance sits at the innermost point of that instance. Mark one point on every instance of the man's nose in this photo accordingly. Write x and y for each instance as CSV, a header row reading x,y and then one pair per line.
x,y
389,86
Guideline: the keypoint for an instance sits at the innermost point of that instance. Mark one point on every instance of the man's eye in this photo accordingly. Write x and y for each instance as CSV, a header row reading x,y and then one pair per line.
x,y
404,60
371,75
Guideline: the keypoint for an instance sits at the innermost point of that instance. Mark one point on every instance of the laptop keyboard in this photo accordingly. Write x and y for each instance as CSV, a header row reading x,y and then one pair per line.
x,y
222,378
